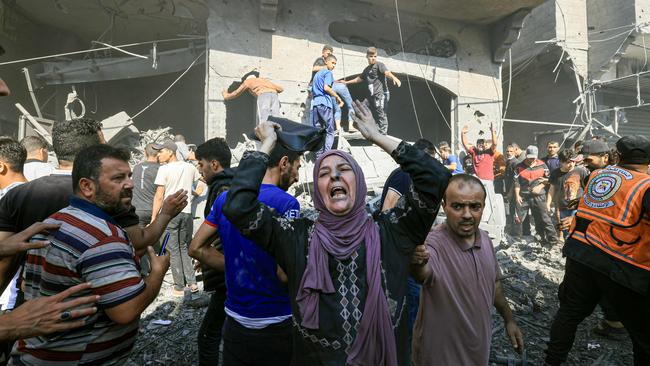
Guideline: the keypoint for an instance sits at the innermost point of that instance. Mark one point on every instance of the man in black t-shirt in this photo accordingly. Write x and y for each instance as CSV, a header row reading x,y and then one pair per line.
x,y
144,175
375,75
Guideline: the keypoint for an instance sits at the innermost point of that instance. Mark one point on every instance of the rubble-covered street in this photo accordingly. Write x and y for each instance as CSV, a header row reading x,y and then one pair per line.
x,y
531,275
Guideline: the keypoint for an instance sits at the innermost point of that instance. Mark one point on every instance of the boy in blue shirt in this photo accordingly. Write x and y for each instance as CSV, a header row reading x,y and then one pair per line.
x,y
322,113
450,160
258,328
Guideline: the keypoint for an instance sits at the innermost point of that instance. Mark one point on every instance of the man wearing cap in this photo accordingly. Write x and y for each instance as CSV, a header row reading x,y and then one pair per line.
x,y
531,176
171,177
608,254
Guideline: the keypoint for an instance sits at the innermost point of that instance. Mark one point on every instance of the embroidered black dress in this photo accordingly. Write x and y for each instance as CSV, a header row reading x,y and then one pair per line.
x,y
400,229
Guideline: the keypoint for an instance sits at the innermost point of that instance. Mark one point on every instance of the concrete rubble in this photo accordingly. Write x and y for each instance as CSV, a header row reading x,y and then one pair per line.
x,y
531,275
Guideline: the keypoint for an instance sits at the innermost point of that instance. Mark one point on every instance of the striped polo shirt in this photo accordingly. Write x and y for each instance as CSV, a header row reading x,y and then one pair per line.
x,y
88,247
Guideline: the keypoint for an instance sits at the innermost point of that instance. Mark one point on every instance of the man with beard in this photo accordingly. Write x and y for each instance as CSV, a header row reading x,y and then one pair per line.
x,y
258,328
36,200
89,246
460,279
214,164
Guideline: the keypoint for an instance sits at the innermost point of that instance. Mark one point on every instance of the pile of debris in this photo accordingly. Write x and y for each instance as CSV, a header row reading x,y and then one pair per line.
x,y
531,275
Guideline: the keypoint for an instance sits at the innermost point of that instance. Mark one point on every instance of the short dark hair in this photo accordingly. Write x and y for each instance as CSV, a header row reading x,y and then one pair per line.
x,y
566,155
465,179
328,48
215,149
371,51
552,142
33,143
252,72
88,163
330,57
70,137
425,145
12,153
515,145
280,151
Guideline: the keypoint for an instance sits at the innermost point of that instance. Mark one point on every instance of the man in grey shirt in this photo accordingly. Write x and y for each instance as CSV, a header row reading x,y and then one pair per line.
x,y
144,175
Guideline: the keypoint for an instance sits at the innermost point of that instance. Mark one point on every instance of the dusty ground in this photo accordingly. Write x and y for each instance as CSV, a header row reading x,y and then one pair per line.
x,y
532,277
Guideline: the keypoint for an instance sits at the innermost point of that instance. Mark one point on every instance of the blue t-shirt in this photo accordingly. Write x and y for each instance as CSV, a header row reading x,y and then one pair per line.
x,y
459,166
253,288
320,97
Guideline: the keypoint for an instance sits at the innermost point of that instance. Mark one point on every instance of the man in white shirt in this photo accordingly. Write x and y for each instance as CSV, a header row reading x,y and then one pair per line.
x,y
36,165
171,177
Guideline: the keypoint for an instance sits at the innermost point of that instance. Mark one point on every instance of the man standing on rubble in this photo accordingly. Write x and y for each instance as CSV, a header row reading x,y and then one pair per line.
x,y
259,328
339,88
531,177
460,279
552,160
263,90
376,75
214,164
173,176
322,113
90,246
608,252
144,189
482,155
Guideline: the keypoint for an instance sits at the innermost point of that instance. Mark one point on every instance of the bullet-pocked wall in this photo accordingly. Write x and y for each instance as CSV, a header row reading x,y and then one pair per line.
x,y
464,83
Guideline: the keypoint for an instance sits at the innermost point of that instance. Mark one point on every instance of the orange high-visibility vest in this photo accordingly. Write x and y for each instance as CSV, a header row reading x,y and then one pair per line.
x,y
610,215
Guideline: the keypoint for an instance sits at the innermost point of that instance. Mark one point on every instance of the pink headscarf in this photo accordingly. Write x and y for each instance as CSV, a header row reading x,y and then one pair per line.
x,y
340,236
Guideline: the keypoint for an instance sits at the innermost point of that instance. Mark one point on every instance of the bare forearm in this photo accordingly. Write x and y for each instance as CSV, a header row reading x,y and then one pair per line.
x,y
421,272
463,139
157,204
141,238
211,257
331,92
501,303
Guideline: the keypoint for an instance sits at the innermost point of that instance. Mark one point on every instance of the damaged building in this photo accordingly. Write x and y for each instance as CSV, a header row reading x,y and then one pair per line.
x,y
580,68
155,63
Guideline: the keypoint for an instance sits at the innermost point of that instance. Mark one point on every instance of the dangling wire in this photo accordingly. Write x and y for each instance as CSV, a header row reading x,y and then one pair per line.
x,y
408,80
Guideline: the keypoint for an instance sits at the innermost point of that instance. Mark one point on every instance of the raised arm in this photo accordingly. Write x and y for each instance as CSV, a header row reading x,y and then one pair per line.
x,y
463,138
237,92
242,208
494,136
414,214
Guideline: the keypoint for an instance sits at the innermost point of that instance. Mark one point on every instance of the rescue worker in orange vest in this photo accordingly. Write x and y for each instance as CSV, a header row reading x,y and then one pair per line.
x,y
608,254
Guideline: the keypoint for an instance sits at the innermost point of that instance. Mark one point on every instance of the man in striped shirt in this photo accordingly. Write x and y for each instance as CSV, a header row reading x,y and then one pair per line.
x,y
90,247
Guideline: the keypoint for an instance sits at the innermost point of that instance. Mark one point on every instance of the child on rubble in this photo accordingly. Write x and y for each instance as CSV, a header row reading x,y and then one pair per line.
x,y
322,106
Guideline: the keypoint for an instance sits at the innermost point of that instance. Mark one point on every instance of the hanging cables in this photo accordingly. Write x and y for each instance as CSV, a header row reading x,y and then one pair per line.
x,y
505,109
408,80
169,87
426,82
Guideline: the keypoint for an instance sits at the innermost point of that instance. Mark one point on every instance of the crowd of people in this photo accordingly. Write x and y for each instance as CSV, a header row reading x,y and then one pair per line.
x,y
85,245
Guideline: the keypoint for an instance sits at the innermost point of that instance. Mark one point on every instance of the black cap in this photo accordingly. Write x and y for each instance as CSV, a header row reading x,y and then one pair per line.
x,y
634,149
593,147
